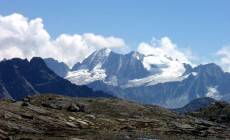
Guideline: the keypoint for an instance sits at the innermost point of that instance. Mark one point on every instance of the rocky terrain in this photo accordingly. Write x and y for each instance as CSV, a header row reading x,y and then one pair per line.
x,y
218,112
50,116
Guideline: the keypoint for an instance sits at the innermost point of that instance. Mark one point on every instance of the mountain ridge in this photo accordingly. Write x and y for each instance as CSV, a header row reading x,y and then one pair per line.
x,y
19,78
153,79
120,69
60,68
195,105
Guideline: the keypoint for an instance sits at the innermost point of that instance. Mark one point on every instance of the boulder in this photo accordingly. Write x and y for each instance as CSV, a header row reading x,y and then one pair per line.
x,y
82,124
70,124
73,108
76,108
24,104
90,116
27,116
81,108
52,105
128,128
26,99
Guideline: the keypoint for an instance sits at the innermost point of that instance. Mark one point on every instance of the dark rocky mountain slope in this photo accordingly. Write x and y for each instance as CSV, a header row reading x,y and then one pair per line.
x,y
19,78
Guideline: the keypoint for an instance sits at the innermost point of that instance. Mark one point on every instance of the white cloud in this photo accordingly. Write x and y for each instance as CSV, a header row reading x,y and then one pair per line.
x,y
100,41
25,38
213,93
165,56
224,61
165,46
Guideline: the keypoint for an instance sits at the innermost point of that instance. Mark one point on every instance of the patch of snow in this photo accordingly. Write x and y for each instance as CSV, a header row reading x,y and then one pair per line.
x,y
163,66
112,81
84,76
138,82
155,79
107,51
194,73
213,93
136,55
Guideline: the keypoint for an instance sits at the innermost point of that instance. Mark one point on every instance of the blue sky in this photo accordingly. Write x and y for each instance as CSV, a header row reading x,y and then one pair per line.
x,y
201,25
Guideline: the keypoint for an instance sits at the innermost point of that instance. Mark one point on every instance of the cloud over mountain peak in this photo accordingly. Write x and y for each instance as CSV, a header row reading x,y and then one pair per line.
x,y
24,38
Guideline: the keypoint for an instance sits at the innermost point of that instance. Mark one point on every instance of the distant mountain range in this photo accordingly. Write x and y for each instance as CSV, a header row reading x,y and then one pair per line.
x,y
154,79
19,78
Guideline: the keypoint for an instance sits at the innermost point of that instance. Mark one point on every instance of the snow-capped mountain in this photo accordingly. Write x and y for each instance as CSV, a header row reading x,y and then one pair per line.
x,y
204,81
153,79
129,70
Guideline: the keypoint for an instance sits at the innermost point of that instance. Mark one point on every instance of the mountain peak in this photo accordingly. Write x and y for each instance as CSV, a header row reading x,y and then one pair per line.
x,y
208,65
105,51
60,68
210,68
136,55
37,60
97,58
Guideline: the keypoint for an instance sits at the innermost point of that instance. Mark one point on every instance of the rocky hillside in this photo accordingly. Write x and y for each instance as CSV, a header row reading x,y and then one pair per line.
x,y
218,112
54,117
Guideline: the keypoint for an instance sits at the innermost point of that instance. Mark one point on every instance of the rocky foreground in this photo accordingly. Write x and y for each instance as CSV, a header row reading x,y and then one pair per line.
x,y
56,117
